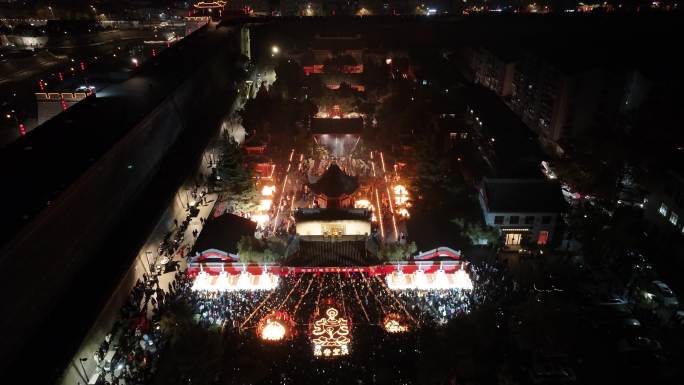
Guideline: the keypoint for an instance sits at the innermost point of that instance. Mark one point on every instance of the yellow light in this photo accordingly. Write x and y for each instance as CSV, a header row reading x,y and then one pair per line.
x,y
268,191
261,219
275,50
273,331
440,280
362,204
393,326
403,212
265,204
400,195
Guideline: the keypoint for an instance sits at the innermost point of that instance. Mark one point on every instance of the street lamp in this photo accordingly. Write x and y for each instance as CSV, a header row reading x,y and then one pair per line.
x,y
275,50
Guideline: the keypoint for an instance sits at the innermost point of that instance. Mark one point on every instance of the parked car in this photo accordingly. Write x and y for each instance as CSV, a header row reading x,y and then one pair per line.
x,y
632,344
613,303
549,370
665,294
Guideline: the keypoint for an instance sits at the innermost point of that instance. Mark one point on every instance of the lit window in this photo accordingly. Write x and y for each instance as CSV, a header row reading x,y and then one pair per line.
x,y
673,218
663,210
453,135
543,237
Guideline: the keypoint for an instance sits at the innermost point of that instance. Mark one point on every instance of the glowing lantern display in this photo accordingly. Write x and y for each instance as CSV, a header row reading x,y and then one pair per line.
x,y
277,326
265,204
362,204
268,191
439,280
400,195
273,331
261,219
394,324
331,335
241,282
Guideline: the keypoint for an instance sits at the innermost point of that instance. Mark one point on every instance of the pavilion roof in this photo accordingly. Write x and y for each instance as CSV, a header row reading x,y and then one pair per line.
x,y
223,233
334,183
337,126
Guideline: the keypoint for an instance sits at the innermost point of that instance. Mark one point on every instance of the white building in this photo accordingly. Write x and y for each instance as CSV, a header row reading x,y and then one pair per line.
x,y
522,208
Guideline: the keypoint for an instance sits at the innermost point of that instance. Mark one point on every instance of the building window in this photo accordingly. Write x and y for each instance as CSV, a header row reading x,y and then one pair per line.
x,y
546,219
453,135
464,135
529,220
663,210
514,220
513,239
498,220
543,237
673,218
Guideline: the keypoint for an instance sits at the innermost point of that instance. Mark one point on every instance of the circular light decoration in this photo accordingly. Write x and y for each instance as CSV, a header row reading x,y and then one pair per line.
x,y
275,327
394,324
330,335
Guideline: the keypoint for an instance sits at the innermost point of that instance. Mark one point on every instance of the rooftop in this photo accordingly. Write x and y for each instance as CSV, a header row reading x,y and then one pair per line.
x,y
343,251
334,183
522,195
336,126
223,233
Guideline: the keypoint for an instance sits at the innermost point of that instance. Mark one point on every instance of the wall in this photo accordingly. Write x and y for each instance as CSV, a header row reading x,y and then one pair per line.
x,y
96,202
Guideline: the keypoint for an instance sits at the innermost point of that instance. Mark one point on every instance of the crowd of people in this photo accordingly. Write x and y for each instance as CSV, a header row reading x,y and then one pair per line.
x,y
130,351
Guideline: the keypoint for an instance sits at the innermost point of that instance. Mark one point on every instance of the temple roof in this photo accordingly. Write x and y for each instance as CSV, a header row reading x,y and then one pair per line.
x,y
334,183
223,233
321,126
340,251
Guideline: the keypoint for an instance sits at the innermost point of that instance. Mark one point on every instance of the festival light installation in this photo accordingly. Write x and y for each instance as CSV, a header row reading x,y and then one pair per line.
x,y
273,331
394,324
209,4
363,204
244,281
420,280
331,335
265,204
268,191
400,195
275,327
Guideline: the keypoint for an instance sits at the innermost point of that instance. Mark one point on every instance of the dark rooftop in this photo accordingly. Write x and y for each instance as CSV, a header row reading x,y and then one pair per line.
x,y
343,251
223,233
334,183
523,195
517,151
336,126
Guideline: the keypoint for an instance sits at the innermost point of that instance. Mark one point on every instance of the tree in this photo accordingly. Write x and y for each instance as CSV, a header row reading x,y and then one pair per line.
x,y
397,252
235,180
477,232
253,250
